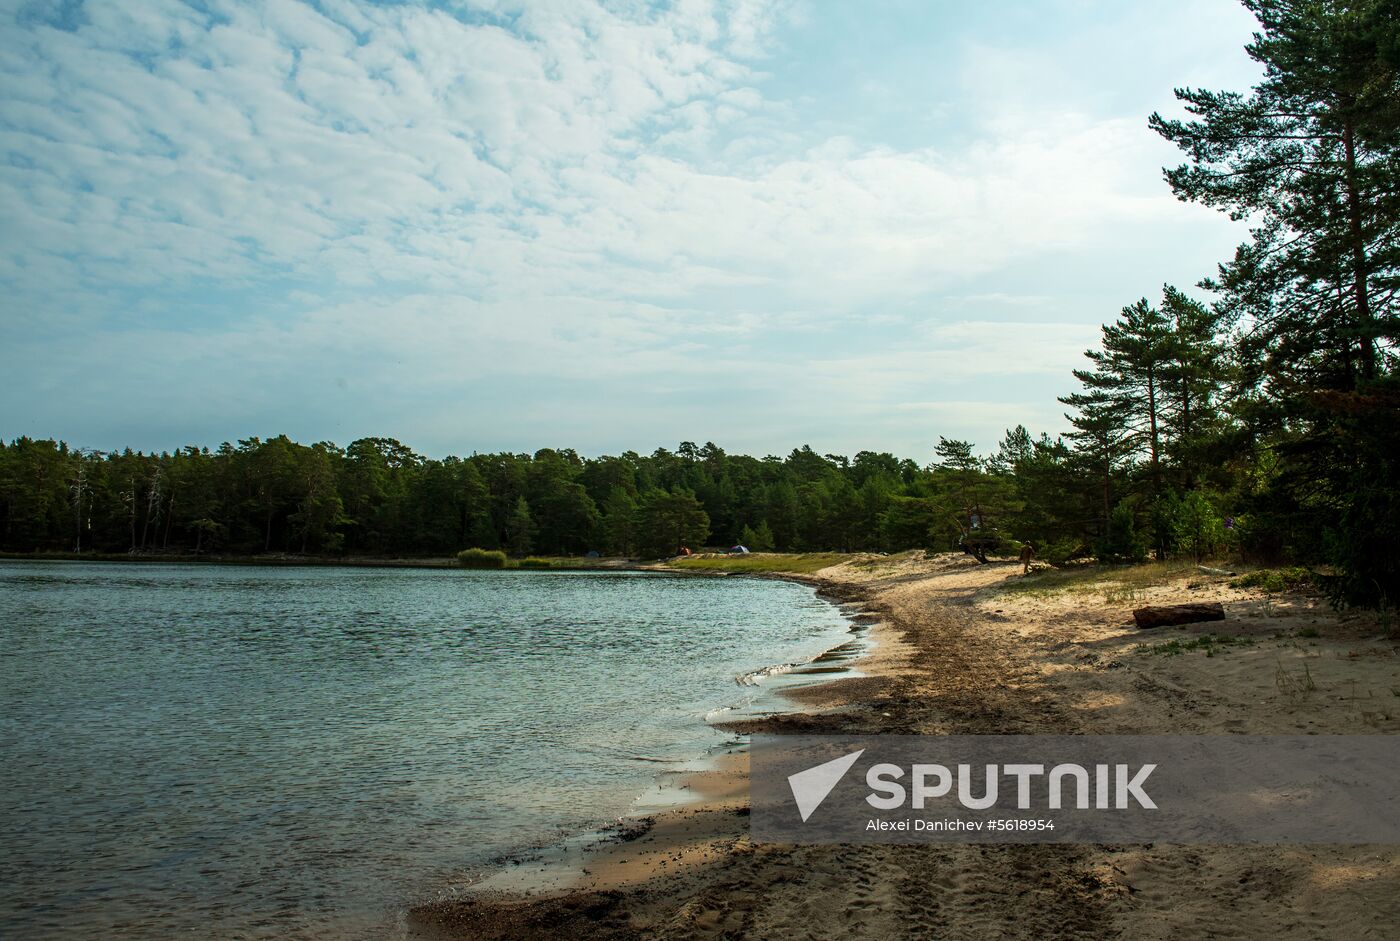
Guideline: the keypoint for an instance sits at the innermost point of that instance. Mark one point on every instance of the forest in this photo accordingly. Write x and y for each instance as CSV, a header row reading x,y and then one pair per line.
x,y
1258,417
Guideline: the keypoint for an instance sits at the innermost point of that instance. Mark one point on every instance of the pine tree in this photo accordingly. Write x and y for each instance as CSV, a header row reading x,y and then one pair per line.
x,y
620,522
762,540
1103,445
1311,155
1194,374
669,521
1129,376
520,529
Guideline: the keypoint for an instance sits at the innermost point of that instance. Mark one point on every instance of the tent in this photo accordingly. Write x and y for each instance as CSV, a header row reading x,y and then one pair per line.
x,y
739,550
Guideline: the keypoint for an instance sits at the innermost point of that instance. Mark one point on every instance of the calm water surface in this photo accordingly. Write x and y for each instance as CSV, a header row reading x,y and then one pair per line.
x,y
262,752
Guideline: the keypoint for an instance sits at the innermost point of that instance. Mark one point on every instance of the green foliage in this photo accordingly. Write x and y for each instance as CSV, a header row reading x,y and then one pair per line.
x,y
1060,551
669,521
1311,155
520,528
535,562
1197,529
1354,463
619,523
1277,580
758,540
1123,542
908,523
481,559
1151,394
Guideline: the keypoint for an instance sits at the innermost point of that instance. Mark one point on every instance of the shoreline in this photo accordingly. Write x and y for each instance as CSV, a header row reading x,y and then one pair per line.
x,y
967,648
713,782
663,835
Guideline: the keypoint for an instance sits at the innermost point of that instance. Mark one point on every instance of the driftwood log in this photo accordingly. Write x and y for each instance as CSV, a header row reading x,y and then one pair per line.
x,y
1168,615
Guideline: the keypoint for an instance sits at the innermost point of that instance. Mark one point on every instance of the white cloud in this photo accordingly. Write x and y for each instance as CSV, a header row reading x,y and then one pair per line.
x,y
556,189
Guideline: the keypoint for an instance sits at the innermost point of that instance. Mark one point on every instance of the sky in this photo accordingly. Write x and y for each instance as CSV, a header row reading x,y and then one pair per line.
x,y
480,226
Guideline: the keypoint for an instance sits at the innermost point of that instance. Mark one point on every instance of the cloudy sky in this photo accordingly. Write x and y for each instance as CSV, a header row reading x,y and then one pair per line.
x,y
478,226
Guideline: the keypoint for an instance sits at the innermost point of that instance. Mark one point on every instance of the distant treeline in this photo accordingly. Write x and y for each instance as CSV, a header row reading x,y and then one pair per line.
x,y
1265,423
377,497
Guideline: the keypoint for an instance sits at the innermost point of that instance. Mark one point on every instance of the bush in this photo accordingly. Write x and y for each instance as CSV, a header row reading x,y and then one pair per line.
x,y
1062,550
1123,542
535,562
481,559
759,540
1274,581
1196,527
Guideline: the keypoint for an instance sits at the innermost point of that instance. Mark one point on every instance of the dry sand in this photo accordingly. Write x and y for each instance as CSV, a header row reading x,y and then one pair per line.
x,y
967,648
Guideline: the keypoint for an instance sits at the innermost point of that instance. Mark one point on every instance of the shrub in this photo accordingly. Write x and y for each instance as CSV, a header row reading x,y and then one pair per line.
x,y
535,562
1123,542
1277,580
1196,527
1061,551
481,559
760,539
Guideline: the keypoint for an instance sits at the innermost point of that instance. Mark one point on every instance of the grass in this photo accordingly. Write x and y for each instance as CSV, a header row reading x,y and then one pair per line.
x,y
1210,643
555,563
1297,687
760,562
481,559
1117,582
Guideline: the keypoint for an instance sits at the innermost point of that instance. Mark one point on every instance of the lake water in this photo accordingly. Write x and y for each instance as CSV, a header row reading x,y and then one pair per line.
x,y
277,752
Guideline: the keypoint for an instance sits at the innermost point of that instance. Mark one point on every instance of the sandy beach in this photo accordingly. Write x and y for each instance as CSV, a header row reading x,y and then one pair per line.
x,y
969,648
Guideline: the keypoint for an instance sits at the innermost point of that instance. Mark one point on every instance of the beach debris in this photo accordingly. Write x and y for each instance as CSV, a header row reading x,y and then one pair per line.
x,y
1207,570
1172,614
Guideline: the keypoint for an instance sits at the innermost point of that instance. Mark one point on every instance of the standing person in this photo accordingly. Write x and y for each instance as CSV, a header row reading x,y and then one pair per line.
x,y
1027,557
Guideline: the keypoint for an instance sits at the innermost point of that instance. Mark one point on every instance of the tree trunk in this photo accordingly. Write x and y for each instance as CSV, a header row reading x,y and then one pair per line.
x,y
1154,445
169,519
1358,256
1348,351
1153,442
1107,496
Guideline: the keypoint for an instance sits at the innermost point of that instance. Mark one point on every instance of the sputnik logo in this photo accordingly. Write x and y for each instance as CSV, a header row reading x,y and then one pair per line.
x,y
810,787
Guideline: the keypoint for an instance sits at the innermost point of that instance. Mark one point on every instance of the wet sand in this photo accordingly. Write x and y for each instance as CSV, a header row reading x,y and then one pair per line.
x,y
966,648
